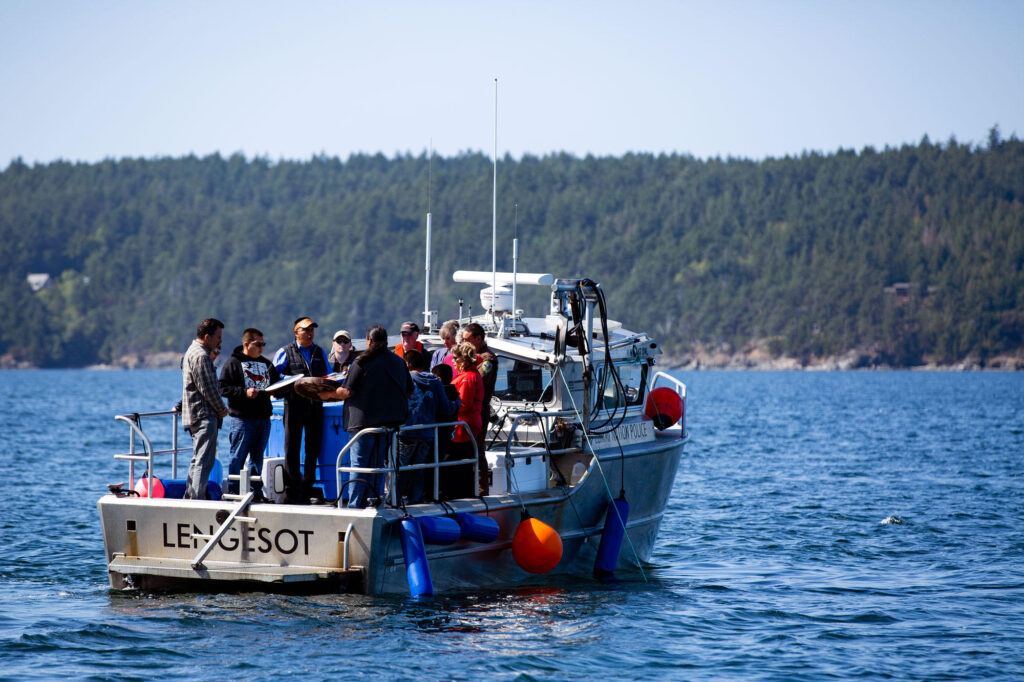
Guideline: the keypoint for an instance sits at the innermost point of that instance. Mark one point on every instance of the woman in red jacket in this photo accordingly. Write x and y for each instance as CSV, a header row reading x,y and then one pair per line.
x,y
459,481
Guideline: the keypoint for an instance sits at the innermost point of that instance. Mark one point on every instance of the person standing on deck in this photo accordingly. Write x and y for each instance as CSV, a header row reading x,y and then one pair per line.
x,y
243,381
443,372
201,406
376,395
427,400
342,355
410,333
449,337
487,366
301,414
457,482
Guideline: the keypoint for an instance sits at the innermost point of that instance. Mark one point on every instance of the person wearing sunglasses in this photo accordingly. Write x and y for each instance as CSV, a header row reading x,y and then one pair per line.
x,y
342,354
243,381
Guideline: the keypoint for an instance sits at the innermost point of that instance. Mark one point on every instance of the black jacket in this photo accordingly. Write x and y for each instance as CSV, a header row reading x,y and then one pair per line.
x,y
241,372
380,386
296,364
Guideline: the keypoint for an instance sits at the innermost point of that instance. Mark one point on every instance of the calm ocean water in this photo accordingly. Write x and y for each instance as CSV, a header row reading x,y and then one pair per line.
x,y
822,525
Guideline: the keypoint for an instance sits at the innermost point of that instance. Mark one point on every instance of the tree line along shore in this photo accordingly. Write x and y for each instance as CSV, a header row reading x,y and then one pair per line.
x,y
900,257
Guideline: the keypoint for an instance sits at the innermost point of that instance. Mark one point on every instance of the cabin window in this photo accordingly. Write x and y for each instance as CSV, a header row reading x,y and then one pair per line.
x,y
519,381
634,379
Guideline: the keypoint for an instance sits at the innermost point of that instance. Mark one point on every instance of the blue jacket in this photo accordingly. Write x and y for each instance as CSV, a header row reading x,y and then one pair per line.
x,y
426,402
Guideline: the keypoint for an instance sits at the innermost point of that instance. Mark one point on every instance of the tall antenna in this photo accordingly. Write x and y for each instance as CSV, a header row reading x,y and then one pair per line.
x,y
515,262
494,209
427,312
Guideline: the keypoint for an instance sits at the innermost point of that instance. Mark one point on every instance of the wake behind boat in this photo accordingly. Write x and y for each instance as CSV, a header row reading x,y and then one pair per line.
x,y
582,452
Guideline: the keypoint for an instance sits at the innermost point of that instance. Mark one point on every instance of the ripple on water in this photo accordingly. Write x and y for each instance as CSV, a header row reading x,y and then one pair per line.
x,y
821,525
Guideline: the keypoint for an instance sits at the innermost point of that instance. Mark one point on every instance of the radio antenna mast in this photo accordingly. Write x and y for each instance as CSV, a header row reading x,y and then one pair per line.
x,y
515,263
428,314
494,209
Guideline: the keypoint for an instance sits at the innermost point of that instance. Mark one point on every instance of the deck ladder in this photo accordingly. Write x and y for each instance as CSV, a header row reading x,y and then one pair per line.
x,y
244,498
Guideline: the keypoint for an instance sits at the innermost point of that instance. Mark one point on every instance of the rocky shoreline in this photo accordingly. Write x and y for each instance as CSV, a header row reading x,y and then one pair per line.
x,y
757,358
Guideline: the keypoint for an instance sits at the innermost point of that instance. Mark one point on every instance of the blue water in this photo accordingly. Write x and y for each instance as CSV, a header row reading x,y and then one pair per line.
x,y
822,525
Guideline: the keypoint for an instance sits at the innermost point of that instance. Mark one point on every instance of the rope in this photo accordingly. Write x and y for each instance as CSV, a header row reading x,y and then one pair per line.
x,y
564,485
604,478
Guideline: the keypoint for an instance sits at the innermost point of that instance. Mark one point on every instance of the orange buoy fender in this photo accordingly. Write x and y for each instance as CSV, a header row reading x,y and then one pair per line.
x,y
536,546
664,407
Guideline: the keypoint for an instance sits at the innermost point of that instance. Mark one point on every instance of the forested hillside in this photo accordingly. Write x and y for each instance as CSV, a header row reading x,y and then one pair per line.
x,y
907,254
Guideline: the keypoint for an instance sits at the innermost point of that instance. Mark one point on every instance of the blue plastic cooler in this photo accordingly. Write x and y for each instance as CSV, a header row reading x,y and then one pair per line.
x,y
334,439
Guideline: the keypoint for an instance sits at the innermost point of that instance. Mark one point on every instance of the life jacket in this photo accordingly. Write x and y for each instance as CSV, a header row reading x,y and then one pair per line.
x,y
400,349
297,364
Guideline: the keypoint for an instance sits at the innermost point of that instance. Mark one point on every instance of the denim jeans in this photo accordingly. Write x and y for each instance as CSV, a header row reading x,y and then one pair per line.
x,y
248,437
204,453
371,452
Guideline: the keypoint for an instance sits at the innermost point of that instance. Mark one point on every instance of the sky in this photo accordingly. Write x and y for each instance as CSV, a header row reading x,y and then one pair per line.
x,y
86,81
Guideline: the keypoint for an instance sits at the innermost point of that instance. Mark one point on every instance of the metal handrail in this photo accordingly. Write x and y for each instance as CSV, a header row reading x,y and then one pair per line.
x,y
680,389
132,457
510,457
135,420
245,480
528,414
212,540
169,451
344,547
679,386
393,468
437,464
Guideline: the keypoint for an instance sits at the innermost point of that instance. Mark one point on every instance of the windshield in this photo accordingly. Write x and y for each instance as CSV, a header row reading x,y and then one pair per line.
x,y
520,381
634,379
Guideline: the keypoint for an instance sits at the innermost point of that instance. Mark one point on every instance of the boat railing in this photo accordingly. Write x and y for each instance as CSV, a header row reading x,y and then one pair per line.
x,y
135,433
393,469
530,415
534,416
676,385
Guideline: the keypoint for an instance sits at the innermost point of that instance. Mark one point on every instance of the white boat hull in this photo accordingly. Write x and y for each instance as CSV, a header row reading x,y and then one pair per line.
x,y
152,543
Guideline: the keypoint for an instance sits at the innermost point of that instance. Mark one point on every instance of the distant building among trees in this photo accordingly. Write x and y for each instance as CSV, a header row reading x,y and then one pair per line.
x,y
39,280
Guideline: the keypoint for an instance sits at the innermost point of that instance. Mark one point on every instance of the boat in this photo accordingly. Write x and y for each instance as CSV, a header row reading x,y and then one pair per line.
x,y
582,451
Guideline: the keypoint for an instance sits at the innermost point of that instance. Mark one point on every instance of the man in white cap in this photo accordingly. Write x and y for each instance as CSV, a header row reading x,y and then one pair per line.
x,y
305,358
342,355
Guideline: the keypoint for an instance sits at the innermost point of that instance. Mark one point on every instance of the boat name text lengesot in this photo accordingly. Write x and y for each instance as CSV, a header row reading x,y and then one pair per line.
x,y
285,540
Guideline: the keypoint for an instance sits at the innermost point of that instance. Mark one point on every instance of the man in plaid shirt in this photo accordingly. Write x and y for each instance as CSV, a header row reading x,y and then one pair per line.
x,y
201,405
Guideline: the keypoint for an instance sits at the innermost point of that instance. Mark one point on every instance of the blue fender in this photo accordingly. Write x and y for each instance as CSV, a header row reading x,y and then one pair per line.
x,y
477,528
611,538
439,530
417,570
